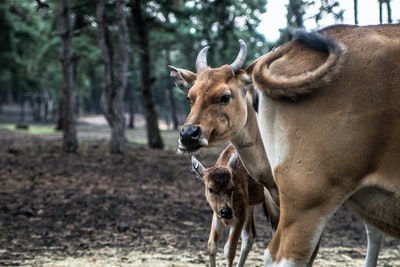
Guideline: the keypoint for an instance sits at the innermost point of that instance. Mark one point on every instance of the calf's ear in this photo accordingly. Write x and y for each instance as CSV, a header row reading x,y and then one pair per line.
x,y
232,161
184,79
198,168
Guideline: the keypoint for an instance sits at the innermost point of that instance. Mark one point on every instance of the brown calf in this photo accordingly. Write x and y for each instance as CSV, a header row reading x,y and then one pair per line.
x,y
232,195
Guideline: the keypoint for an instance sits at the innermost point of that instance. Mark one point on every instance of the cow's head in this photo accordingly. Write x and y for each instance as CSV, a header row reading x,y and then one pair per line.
x,y
219,186
216,96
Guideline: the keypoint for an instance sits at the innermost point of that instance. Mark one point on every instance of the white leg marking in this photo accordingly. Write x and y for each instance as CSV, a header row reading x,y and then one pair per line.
x,y
268,262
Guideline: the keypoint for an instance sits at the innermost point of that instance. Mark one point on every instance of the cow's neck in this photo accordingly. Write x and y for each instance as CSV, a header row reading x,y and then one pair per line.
x,y
249,146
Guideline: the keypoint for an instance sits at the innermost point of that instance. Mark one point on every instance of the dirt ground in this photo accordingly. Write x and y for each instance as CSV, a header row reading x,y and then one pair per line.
x,y
144,208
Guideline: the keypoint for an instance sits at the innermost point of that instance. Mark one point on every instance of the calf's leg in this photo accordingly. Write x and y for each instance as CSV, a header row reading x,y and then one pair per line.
x,y
233,238
217,229
248,235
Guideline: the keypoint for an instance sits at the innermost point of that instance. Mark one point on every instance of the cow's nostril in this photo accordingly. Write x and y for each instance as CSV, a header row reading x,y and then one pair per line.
x,y
190,136
196,133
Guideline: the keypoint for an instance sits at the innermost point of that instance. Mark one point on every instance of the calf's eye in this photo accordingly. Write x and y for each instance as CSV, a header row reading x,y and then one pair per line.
x,y
225,99
210,190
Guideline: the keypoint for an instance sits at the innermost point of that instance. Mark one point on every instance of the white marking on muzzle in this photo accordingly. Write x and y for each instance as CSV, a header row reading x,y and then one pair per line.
x,y
183,149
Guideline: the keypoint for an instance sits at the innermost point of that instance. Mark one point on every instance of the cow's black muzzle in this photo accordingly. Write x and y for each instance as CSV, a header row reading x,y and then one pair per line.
x,y
190,137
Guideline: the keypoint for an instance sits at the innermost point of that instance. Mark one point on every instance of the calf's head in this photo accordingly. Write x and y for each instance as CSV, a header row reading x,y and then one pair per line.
x,y
219,186
216,96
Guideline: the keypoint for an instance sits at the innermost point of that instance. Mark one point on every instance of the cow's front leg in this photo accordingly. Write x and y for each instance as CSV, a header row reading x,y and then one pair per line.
x,y
306,206
217,229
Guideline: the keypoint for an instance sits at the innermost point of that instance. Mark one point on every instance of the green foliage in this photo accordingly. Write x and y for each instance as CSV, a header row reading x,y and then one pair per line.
x,y
23,32
219,24
31,44
178,29
300,11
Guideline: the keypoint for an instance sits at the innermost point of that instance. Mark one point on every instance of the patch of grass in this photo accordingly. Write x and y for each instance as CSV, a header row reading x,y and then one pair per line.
x,y
170,137
42,129
138,135
31,129
7,126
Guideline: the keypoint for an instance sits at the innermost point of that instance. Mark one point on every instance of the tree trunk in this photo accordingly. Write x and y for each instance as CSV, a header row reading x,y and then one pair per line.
x,y
153,132
70,141
170,87
356,12
112,96
131,106
389,12
295,6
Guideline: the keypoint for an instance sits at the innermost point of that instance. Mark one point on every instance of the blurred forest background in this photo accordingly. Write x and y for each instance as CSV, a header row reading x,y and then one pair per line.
x,y
63,60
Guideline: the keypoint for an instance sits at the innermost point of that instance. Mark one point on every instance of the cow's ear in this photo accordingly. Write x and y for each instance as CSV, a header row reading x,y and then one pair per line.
x,y
184,79
198,168
249,69
245,81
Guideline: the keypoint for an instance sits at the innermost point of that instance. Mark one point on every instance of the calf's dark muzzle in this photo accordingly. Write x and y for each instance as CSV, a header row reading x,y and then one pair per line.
x,y
226,213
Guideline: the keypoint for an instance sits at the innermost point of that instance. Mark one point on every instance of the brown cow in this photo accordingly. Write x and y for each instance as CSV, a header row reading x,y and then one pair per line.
x,y
232,195
329,117
221,111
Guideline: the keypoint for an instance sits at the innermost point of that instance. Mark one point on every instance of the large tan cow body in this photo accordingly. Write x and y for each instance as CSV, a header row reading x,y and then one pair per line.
x,y
329,116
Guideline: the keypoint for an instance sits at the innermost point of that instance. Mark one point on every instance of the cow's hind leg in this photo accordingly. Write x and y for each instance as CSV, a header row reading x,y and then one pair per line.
x,y
375,238
306,207
296,245
248,235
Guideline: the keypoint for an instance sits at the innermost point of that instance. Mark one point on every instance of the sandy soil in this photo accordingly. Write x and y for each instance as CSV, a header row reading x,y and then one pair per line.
x,y
144,208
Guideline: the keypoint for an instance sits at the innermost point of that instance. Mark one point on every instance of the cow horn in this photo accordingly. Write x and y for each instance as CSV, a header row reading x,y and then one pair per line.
x,y
201,60
241,58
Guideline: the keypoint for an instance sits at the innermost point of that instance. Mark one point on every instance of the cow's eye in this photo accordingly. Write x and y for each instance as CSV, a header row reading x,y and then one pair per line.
x,y
210,190
225,99
188,100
